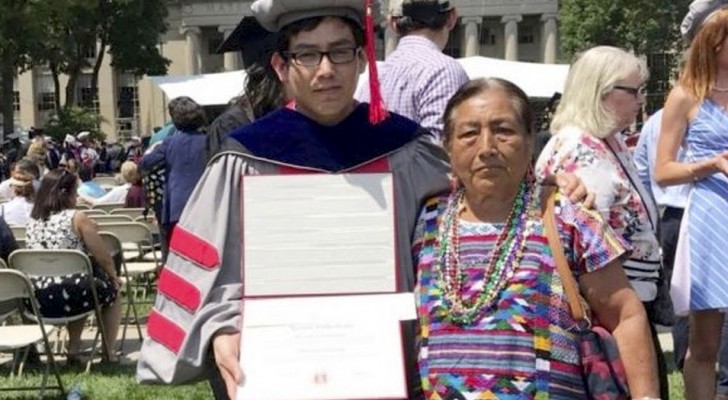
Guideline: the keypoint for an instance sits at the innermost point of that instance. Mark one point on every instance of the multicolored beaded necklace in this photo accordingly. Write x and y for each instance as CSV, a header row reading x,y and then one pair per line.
x,y
507,254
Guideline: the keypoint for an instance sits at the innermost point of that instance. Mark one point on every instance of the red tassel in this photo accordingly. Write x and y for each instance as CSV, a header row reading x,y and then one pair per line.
x,y
377,110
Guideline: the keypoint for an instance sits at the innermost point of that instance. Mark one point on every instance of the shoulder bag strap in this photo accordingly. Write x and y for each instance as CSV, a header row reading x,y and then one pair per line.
x,y
562,266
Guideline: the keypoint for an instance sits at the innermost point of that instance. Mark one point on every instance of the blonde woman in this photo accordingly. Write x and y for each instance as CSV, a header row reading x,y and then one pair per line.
x,y
603,94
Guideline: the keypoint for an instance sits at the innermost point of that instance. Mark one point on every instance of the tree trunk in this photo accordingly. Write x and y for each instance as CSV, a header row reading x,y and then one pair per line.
x,y
71,89
56,85
6,94
97,67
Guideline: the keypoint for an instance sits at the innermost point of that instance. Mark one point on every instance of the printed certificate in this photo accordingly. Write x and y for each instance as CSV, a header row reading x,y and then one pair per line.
x,y
324,347
318,234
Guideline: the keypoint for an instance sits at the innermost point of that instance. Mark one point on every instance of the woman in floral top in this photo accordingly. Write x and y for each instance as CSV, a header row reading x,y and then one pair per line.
x,y
494,319
603,94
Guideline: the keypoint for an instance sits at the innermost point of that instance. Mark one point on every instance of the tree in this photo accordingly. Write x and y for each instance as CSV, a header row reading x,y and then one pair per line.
x,y
74,119
644,26
20,35
128,29
650,28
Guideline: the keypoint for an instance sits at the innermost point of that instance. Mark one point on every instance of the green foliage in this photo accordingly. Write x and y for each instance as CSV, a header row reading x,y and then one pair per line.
x,y
644,26
72,120
133,30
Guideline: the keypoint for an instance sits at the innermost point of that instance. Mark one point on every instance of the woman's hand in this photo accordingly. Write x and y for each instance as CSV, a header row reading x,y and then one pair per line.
x,y
226,347
720,162
573,187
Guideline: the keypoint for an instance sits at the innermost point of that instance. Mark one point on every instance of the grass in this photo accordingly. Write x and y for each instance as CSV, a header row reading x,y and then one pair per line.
x,y
117,382
104,382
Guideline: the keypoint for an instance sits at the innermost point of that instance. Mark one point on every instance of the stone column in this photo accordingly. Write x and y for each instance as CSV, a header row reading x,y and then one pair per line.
x,y
390,41
192,50
550,32
471,40
511,35
230,59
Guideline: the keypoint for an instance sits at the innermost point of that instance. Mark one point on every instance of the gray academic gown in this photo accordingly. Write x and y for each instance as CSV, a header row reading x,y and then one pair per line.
x,y
200,287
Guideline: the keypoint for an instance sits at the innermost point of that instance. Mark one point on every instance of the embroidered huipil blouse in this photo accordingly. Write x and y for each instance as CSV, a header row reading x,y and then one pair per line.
x,y
520,347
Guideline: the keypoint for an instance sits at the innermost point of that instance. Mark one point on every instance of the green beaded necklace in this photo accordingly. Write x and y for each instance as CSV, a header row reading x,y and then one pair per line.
x,y
507,253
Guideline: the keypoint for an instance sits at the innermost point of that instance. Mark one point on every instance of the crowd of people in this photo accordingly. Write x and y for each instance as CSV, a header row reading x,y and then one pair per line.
x,y
474,196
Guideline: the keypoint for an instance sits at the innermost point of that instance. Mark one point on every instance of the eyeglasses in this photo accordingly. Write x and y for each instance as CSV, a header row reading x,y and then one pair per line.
x,y
312,58
634,91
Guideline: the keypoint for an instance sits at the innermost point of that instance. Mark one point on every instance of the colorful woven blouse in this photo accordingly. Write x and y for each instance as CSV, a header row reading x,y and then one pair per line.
x,y
606,168
520,347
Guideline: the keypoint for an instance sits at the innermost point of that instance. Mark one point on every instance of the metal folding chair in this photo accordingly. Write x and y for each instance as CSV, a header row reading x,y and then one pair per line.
x,y
114,245
58,263
107,218
108,207
131,212
107,180
91,212
133,234
15,286
19,234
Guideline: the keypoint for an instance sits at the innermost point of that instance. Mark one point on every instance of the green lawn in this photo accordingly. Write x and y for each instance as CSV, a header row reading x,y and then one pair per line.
x,y
105,382
117,382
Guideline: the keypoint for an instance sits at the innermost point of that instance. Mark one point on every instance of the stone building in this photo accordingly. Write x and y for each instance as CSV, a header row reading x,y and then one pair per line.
x,y
524,30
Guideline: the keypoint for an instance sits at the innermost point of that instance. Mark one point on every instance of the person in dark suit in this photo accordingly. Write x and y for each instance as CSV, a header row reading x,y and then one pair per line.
x,y
180,155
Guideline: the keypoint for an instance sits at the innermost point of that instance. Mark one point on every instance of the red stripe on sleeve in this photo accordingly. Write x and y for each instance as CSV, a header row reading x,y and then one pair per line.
x,y
179,290
194,248
378,166
164,331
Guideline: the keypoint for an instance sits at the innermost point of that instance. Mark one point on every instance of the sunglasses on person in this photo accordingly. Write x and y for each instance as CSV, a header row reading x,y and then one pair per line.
x,y
634,91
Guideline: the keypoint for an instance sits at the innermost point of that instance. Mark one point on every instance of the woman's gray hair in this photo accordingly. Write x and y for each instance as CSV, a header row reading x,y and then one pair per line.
x,y
592,75
186,114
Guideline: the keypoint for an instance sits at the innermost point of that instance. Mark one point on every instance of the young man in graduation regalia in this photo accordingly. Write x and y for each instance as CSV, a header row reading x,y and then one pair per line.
x,y
324,45
194,326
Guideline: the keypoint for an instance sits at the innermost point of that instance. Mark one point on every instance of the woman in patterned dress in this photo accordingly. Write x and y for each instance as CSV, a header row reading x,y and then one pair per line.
x,y
56,224
494,320
695,117
602,96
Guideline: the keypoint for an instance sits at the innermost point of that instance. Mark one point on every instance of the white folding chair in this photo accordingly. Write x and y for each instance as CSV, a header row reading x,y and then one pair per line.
x,y
134,234
91,212
19,234
114,245
15,286
7,308
59,263
106,218
107,207
131,212
151,223
134,237
107,180
18,231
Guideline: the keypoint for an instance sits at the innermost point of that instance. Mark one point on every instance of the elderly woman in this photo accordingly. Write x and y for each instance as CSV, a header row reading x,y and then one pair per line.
x,y
695,117
56,224
488,289
603,95
183,158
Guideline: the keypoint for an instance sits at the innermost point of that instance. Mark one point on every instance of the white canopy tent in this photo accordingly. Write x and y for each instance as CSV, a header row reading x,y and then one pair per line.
x,y
206,89
537,80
